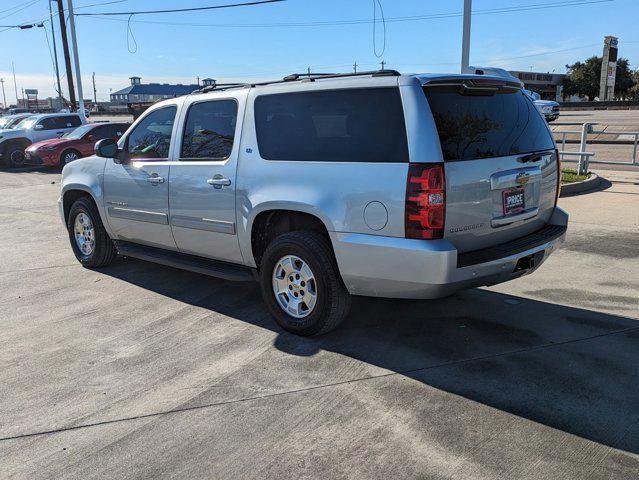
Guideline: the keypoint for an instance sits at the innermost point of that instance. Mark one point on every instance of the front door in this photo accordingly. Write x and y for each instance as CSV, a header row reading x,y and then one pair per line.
x,y
202,183
136,190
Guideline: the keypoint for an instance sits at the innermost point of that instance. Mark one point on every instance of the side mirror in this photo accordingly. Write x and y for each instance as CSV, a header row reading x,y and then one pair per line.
x,y
91,138
107,148
39,126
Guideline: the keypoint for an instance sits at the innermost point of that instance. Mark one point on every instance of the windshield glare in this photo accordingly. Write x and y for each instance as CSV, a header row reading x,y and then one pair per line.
x,y
26,123
78,132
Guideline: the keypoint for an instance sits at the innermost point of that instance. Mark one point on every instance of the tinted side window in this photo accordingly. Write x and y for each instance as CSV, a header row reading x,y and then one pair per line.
x,y
103,131
151,137
51,123
71,121
355,125
485,126
209,130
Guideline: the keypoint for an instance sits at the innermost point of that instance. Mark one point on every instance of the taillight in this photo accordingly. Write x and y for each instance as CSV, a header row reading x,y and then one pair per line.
x,y
558,176
425,209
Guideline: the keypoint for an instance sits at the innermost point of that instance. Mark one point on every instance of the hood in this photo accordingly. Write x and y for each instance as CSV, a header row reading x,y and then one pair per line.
x,y
49,143
10,133
546,103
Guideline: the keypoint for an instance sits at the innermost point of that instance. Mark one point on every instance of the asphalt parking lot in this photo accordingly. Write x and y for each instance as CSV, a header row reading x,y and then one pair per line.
x,y
143,371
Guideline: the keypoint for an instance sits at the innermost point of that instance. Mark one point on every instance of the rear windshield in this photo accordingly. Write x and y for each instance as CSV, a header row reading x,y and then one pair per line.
x,y
354,125
484,126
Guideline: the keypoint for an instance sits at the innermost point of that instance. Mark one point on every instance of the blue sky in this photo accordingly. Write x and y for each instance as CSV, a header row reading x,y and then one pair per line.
x,y
544,39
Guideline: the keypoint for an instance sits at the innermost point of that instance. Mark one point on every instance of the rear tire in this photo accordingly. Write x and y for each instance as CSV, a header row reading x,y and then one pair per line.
x,y
313,258
89,240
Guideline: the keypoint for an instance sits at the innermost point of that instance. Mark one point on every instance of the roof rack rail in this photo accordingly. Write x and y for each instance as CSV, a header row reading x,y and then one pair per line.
x,y
312,76
220,86
299,76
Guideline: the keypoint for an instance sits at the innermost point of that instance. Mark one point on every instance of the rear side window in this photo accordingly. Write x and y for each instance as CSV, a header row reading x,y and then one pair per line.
x,y
471,127
209,130
355,125
72,121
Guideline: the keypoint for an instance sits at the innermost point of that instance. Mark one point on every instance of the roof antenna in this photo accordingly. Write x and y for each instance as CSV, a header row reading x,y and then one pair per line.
x,y
308,70
355,67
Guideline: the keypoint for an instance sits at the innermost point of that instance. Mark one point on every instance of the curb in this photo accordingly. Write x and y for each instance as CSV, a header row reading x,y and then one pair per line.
x,y
580,187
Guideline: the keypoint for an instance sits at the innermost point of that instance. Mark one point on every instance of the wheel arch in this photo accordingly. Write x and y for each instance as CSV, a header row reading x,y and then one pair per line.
x,y
22,141
69,197
270,223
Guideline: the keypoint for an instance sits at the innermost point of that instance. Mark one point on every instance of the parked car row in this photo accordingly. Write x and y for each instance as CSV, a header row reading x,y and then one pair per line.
x,y
51,139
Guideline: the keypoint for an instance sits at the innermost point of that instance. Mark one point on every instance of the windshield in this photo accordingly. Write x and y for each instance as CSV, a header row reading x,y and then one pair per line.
x,y
4,122
78,132
26,123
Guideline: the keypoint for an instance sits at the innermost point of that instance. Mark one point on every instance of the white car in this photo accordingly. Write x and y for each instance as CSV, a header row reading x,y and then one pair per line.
x,y
34,129
548,108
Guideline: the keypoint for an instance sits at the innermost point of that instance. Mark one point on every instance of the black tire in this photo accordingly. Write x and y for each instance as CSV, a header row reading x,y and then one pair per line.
x,y
64,161
333,300
14,155
104,251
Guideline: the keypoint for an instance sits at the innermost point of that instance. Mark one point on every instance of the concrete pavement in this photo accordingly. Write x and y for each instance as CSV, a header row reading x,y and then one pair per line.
x,y
143,371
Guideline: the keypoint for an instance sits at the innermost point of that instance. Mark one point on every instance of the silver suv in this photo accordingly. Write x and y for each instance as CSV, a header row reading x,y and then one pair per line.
x,y
322,187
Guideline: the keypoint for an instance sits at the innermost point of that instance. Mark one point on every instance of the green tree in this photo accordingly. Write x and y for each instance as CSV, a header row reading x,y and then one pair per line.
x,y
582,78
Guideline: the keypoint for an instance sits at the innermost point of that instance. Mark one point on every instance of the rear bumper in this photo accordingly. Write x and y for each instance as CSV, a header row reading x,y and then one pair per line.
x,y
403,268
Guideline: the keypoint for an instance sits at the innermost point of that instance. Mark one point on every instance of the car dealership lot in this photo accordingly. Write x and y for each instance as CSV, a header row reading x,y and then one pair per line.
x,y
143,371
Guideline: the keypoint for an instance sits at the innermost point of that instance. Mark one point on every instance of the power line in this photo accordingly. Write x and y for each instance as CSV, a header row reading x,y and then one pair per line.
x,y
520,8
19,8
193,9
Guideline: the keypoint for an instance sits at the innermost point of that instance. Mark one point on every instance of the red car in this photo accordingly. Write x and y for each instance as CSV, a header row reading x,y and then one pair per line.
x,y
76,144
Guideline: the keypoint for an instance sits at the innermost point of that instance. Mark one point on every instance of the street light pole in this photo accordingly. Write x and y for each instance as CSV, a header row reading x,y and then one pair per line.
x,y
15,84
74,43
465,60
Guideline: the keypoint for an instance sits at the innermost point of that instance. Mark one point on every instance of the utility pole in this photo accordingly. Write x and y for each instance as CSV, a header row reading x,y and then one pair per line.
x,y
95,92
55,56
355,67
4,97
67,56
465,59
74,42
383,64
15,84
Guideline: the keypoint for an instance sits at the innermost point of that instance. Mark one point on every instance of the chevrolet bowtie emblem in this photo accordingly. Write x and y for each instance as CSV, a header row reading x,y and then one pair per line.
x,y
522,178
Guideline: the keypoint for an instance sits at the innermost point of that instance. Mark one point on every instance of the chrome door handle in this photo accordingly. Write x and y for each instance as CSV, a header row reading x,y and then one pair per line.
x,y
218,181
155,180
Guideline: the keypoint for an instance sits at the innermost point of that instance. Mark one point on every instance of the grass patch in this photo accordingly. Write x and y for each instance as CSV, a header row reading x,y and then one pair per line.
x,y
569,175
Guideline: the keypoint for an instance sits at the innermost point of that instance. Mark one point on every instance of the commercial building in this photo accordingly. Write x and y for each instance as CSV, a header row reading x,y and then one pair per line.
x,y
139,92
548,85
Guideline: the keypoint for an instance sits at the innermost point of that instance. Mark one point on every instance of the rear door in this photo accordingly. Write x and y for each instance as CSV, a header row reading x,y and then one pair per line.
x,y
501,166
202,181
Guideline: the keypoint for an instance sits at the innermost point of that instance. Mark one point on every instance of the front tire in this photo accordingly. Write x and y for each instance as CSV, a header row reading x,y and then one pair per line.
x,y
14,156
69,156
301,284
89,240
